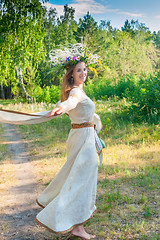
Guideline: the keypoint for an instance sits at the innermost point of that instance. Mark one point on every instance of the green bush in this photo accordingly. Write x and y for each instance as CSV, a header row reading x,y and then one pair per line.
x,y
38,94
143,94
105,88
125,87
54,94
99,89
47,94
146,98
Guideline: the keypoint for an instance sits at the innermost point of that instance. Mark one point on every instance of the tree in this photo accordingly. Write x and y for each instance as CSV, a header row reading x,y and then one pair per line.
x,y
157,45
22,46
129,27
87,28
126,56
66,26
49,25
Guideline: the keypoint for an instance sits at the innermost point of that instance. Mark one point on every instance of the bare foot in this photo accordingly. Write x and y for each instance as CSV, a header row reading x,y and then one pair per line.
x,y
79,231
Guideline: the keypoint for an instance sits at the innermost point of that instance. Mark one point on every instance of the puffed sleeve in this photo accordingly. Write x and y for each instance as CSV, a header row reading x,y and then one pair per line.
x,y
74,98
97,122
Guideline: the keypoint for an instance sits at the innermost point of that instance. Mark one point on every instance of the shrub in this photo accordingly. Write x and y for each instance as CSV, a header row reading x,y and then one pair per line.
x,y
47,94
146,98
105,88
99,89
38,94
125,88
143,94
54,94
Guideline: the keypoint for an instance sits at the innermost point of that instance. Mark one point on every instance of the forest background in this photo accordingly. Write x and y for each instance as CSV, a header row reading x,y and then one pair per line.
x,y
130,57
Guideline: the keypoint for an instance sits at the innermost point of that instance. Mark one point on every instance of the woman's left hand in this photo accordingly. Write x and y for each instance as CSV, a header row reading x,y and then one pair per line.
x,y
56,111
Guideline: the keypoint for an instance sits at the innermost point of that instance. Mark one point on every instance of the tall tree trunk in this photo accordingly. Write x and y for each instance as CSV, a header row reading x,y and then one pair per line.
x,y
2,91
49,53
20,76
124,64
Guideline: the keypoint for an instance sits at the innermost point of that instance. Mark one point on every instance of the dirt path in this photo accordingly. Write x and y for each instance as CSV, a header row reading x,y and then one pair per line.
x,y
19,208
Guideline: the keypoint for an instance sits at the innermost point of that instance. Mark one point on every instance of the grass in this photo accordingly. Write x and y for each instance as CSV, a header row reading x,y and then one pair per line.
x,y
6,168
7,102
7,179
128,199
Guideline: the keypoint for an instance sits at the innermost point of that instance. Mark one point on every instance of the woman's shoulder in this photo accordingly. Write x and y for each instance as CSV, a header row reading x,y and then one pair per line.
x,y
76,91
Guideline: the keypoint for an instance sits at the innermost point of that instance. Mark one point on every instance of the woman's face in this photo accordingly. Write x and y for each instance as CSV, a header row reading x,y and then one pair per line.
x,y
79,73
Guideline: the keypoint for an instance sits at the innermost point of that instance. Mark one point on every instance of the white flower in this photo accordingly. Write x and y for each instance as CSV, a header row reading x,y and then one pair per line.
x,y
90,56
55,60
95,57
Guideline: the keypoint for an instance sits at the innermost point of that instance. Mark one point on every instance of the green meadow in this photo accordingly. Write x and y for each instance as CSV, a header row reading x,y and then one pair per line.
x,y
128,190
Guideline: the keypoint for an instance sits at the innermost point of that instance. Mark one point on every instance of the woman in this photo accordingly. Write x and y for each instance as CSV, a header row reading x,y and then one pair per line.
x,y
69,200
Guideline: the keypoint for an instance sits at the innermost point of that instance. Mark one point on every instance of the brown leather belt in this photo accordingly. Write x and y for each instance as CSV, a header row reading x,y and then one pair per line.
x,y
82,125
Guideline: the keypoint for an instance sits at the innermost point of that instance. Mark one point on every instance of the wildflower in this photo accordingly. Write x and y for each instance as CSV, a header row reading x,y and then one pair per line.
x,y
74,57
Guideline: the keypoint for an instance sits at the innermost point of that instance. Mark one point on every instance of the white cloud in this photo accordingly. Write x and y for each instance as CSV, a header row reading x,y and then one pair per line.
x,y
83,6
157,16
132,14
59,8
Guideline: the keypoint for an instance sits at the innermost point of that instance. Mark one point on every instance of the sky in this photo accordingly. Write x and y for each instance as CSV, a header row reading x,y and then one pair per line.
x,y
116,11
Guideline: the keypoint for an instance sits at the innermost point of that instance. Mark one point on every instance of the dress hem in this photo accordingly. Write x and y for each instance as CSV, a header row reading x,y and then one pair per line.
x,y
66,231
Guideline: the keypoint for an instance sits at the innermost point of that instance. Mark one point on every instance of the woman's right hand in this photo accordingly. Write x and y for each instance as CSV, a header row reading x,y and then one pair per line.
x,y
56,111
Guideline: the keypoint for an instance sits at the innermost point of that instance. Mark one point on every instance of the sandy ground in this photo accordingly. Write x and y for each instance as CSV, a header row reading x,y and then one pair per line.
x,y
18,208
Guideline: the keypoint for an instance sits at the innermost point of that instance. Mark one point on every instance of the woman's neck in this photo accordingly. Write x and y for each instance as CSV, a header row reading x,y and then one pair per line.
x,y
79,86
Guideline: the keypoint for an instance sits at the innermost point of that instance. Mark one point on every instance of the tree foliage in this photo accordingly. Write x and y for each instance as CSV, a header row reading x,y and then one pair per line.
x,y
29,31
22,47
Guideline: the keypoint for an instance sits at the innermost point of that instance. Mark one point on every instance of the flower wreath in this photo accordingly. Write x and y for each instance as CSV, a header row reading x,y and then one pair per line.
x,y
64,58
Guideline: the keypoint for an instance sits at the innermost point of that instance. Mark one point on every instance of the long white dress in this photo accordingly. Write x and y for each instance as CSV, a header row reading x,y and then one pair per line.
x,y
70,197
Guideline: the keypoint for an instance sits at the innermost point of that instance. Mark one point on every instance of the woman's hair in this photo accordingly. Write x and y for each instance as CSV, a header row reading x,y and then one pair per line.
x,y
67,83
